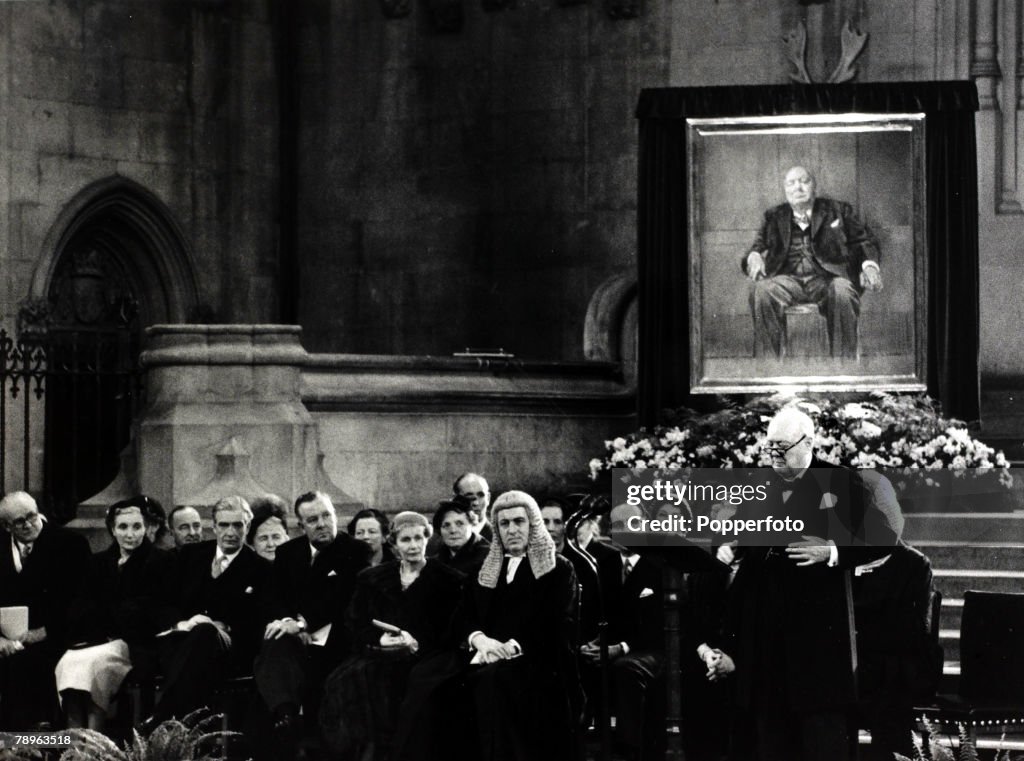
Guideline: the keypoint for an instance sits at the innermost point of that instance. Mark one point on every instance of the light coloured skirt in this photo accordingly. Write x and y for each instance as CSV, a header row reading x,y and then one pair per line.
x,y
98,670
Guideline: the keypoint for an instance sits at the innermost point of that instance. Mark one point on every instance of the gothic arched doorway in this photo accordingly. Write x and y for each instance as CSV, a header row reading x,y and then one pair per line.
x,y
117,263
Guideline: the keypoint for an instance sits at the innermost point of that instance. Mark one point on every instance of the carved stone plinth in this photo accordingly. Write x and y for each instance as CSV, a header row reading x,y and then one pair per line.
x,y
212,386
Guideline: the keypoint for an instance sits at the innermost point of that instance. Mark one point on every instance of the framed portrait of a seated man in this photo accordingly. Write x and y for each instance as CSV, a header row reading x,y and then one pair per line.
x,y
808,263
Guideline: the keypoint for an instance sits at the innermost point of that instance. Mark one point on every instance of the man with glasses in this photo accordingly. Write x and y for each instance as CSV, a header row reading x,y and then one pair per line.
x,y
790,613
42,568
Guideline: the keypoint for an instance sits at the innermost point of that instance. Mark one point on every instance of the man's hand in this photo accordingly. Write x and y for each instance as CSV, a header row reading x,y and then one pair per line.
x,y
726,552
401,641
871,278
191,623
755,265
281,627
720,666
592,651
812,550
32,636
491,650
9,647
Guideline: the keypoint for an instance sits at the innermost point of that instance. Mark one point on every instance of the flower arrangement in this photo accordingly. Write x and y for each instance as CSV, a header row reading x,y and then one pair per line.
x,y
903,431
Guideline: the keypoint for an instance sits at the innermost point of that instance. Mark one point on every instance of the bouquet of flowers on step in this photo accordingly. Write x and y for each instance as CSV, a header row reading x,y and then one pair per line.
x,y
898,431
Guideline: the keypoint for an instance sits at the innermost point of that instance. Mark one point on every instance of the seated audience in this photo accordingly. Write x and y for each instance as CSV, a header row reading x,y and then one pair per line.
x,y
400,612
221,585
634,607
115,621
186,525
269,527
522,685
43,568
313,579
371,526
460,546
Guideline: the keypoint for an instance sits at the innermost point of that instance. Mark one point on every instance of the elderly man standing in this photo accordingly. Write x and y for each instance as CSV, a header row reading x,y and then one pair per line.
x,y
222,586
42,568
791,614
314,576
810,250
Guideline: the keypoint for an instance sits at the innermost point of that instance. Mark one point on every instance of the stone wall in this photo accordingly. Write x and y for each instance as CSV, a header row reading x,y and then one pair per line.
x,y
471,188
179,97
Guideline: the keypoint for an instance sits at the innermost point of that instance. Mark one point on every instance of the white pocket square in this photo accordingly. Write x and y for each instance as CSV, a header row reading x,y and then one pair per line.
x,y
646,592
836,223
332,573
248,590
828,501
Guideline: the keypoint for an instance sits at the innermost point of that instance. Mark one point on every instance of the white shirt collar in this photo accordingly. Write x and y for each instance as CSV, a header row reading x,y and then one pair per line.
x,y
227,559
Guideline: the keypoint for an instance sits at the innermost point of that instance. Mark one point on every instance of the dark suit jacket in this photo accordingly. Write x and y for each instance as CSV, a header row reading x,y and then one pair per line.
x,y
52,577
793,626
424,610
841,241
898,661
468,558
238,597
635,609
128,602
319,592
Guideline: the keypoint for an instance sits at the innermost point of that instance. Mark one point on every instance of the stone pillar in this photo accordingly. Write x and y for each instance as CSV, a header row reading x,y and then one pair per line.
x,y
207,384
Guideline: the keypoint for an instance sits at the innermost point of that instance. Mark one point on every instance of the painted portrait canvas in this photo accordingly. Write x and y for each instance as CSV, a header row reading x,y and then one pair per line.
x,y
808,262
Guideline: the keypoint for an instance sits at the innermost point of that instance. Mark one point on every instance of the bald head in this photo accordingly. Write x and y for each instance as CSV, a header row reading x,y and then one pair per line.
x,y
790,439
800,188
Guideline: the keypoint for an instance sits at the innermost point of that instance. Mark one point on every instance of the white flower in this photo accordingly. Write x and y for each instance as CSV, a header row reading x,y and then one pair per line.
x,y
868,430
854,411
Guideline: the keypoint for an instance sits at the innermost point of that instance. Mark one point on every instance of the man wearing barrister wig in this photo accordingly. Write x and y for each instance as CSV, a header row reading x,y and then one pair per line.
x,y
518,620
790,611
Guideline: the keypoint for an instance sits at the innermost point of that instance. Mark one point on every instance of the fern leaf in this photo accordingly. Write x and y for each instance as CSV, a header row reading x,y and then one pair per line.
x,y
968,751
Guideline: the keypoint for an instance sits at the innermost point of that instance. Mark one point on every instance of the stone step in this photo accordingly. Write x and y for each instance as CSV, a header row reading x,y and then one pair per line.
x,y
954,582
965,528
951,613
995,556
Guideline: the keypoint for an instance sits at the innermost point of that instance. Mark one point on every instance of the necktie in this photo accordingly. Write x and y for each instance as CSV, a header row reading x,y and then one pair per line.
x,y
627,568
26,550
313,556
218,566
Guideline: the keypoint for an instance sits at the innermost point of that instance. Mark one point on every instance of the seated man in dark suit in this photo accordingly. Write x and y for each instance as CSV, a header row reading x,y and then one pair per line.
x,y
314,576
810,250
634,602
220,610
42,567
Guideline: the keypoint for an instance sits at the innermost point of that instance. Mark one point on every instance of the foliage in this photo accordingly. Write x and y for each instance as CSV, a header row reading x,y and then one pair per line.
x,y
938,751
886,430
194,738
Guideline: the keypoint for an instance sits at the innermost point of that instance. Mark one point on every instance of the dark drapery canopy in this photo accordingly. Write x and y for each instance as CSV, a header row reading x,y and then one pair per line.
x,y
951,225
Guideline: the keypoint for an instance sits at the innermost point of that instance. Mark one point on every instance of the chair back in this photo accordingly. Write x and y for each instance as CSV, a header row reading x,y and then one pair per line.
x,y
992,647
